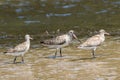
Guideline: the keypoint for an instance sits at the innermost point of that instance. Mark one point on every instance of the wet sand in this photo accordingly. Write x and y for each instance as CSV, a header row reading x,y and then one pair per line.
x,y
76,64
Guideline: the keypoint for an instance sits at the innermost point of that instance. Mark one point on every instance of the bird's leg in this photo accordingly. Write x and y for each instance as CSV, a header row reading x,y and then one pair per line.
x,y
56,53
22,59
60,52
15,59
93,53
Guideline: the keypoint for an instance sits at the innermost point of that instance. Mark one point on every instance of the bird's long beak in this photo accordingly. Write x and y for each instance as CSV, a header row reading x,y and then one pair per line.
x,y
76,38
31,38
107,33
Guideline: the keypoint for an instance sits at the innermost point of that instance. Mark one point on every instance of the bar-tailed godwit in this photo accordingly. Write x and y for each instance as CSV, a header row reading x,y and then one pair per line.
x,y
60,41
20,49
93,42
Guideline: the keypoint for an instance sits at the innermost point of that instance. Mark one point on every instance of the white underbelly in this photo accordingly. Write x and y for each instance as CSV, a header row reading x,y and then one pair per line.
x,y
57,46
16,54
87,48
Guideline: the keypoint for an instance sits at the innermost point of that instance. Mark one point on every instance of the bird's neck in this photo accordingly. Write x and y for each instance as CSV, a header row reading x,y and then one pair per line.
x,y
27,44
102,34
69,38
28,40
70,35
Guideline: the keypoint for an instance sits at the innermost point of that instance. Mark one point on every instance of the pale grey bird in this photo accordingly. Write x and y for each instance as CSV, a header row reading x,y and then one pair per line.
x,y
93,42
60,41
20,49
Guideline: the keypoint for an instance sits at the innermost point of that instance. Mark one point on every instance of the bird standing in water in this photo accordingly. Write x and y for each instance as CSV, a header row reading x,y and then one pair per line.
x,y
20,49
60,41
93,42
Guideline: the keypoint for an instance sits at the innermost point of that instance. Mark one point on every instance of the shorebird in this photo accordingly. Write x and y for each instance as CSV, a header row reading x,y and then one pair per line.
x,y
93,42
60,41
20,49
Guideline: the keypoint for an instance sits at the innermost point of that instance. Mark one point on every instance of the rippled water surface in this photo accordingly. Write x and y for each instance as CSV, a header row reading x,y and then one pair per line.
x,y
44,19
37,16
75,64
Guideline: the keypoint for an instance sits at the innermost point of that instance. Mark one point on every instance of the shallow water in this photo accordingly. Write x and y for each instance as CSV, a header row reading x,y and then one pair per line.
x,y
34,17
76,64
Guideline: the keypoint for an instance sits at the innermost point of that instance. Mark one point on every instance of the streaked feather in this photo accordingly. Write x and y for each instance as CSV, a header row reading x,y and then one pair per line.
x,y
92,41
19,48
55,41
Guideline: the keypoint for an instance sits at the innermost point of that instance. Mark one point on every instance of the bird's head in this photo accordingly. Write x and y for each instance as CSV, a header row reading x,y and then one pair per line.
x,y
27,36
104,32
71,33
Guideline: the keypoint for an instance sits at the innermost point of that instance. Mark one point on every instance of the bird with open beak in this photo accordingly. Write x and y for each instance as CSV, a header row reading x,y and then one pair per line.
x,y
60,41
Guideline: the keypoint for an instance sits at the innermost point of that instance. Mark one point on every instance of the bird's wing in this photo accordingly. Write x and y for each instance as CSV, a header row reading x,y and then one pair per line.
x,y
55,41
92,41
21,47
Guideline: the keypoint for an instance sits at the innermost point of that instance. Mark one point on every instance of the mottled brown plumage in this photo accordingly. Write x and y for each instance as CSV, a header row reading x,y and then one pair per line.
x,y
59,41
20,49
94,41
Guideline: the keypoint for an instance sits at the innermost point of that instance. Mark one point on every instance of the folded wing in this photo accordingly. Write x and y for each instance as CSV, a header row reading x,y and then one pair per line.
x,y
55,41
93,41
19,48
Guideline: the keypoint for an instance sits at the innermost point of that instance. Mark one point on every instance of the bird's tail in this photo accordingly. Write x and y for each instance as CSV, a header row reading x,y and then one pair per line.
x,y
80,46
4,52
42,42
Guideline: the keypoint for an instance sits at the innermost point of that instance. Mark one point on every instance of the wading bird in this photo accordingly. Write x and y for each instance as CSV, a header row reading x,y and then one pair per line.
x,y
93,42
20,49
60,41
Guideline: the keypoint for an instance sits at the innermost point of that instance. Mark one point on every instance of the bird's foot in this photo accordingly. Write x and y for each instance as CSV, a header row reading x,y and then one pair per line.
x,y
54,57
22,62
94,57
14,62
